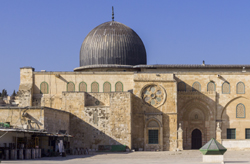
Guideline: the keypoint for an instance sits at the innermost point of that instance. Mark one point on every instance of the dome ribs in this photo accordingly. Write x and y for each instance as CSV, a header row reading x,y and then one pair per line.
x,y
112,43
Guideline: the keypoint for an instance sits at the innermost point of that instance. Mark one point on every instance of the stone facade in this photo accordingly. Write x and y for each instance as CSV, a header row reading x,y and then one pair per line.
x,y
99,118
147,99
43,118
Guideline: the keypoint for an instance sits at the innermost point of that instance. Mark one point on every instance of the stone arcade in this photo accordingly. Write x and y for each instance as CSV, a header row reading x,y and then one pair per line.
x,y
115,98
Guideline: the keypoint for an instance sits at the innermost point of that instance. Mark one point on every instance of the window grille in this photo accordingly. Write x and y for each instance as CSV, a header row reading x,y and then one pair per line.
x,y
70,87
181,86
231,134
153,136
94,87
106,87
247,133
118,87
44,88
211,86
83,87
225,88
196,86
240,111
240,88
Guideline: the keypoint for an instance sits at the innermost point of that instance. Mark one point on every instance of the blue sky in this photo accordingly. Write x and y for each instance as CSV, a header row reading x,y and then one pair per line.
x,y
48,34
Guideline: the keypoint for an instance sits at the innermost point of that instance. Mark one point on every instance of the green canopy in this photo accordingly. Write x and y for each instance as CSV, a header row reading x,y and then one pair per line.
x,y
213,147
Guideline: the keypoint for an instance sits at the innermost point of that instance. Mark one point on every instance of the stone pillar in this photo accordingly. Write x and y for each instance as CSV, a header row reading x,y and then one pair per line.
x,y
161,139
13,154
20,154
25,92
27,154
6,153
180,137
33,153
36,153
39,153
218,133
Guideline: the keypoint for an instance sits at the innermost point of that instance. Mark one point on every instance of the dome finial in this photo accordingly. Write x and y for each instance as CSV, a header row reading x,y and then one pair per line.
x,y
113,13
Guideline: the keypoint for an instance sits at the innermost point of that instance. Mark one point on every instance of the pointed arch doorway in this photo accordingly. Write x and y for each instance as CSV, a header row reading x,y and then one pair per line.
x,y
196,139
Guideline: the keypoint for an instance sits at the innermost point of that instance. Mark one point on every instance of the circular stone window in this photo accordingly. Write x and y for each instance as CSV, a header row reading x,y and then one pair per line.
x,y
154,95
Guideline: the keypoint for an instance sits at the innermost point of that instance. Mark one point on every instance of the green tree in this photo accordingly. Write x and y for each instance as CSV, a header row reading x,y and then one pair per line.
x,y
14,93
4,93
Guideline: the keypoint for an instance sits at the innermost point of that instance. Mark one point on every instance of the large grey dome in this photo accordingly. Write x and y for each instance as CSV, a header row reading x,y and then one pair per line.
x,y
112,43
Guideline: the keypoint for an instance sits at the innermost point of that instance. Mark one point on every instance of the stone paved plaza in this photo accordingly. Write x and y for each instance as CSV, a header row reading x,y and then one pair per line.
x,y
188,156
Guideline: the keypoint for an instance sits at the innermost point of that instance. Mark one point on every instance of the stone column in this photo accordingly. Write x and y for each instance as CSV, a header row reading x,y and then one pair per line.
x,y
27,154
20,153
13,154
218,133
36,153
180,137
33,153
39,153
161,139
6,153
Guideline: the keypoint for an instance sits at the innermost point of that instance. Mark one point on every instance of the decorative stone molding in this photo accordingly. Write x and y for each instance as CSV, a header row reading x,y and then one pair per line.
x,y
196,93
180,138
154,95
218,133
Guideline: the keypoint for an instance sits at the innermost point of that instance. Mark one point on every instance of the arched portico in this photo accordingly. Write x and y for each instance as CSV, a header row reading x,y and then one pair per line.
x,y
197,119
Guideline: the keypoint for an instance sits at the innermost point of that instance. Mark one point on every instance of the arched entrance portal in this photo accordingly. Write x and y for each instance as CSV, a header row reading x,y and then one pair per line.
x,y
196,139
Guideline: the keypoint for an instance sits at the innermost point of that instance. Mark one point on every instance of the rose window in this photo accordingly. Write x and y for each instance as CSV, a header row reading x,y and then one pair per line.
x,y
154,95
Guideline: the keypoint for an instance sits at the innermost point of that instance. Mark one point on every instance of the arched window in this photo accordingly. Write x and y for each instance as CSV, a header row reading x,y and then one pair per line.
x,y
181,86
240,111
106,87
94,87
196,86
240,88
153,132
44,88
70,87
153,124
83,87
211,86
118,87
225,88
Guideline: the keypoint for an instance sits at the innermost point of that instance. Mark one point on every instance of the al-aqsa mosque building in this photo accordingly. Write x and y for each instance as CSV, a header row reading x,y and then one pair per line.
x,y
115,98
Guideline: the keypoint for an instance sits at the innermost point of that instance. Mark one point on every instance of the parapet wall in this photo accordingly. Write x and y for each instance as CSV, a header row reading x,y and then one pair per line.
x,y
233,144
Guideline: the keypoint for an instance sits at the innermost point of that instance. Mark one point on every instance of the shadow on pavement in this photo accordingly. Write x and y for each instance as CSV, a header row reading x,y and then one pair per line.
x,y
236,162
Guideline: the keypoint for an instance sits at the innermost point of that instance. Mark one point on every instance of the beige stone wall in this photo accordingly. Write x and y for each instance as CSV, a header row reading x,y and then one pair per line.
x,y
25,91
168,110
14,116
58,84
236,144
229,119
51,120
196,110
215,106
55,120
104,120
